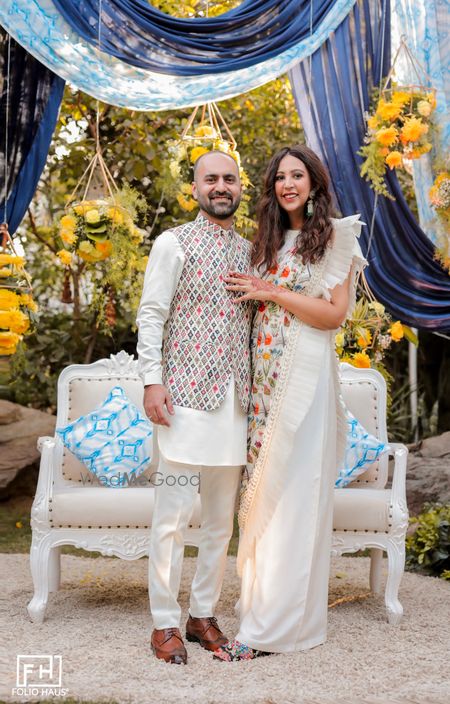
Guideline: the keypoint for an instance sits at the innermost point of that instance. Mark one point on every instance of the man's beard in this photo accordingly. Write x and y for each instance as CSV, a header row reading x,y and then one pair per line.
x,y
221,211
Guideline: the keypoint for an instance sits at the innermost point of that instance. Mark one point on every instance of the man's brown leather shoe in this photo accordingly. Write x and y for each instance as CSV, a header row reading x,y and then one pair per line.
x,y
167,644
205,631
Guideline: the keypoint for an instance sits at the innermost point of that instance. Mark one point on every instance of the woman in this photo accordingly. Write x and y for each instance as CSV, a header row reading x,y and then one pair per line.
x,y
305,266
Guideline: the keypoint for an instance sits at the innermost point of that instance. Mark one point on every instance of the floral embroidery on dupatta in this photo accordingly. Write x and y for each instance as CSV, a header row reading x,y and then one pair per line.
x,y
270,333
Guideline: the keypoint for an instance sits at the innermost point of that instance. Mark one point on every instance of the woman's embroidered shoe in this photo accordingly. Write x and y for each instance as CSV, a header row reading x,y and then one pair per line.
x,y
235,651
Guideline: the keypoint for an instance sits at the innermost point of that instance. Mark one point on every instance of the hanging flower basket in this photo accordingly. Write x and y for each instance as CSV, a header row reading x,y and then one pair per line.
x,y
90,227
16,302
104,214
98,231
400,127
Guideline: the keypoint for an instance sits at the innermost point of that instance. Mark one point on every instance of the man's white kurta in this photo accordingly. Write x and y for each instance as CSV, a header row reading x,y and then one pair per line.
x,y
209,438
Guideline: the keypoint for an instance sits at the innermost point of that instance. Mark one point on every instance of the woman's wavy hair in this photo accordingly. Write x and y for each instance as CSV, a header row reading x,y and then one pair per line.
x,y
273,221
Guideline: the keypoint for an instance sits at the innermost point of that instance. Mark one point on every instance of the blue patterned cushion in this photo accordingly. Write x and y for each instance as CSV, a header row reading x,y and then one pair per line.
x,y
114,440
362,449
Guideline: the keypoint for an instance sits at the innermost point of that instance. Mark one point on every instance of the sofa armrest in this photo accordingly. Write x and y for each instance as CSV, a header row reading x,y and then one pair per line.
x,y
400,454
44,490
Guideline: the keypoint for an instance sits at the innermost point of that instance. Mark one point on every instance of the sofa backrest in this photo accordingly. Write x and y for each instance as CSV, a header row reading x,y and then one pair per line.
x,y
364,393
82,387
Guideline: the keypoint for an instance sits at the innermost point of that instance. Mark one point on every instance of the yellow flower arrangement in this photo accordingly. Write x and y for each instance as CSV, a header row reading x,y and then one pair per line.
x,y
361,360
440,191
424,108
64,256
364,337
89,228
68,222
396,131
9,300
92,216
396,331
413,129
68,237
388,111
15,306
205,131
6,259
368,334
15,321
400,97
28,302
102,243
377,307
188,204
8,342
340,340
394,159
196,153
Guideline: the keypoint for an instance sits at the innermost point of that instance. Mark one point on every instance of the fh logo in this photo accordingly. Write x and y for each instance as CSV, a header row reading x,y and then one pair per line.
x,y
39,674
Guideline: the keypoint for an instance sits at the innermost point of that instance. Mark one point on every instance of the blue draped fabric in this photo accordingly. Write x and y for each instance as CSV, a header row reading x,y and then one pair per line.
x,y
41,29
403,273
143,36
34,97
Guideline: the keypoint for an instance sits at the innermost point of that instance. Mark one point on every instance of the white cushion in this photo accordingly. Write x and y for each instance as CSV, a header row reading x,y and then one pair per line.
x,y
97,507
361,509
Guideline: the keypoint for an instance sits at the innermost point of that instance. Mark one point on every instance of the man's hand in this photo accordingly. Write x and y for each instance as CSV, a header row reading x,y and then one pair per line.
x,y
156,396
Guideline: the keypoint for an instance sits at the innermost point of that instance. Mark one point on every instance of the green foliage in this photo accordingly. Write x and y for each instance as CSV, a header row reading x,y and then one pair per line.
x,y
59,341
194,8
373,168
428,548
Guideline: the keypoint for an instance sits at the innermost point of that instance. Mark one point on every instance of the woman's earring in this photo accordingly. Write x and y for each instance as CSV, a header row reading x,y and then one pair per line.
x,y
310,205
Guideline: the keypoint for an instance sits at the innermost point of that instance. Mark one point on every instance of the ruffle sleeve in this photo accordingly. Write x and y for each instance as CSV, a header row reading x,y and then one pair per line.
x,y
344,258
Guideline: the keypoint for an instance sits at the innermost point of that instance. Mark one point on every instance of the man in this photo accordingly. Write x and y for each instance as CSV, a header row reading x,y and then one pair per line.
x,y
193,353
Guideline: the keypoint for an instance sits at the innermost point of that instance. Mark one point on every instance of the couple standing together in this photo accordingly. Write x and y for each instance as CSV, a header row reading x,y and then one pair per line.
x,y
236,351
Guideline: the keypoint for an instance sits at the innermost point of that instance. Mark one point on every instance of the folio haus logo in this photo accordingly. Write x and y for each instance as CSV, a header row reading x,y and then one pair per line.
x,y
39,675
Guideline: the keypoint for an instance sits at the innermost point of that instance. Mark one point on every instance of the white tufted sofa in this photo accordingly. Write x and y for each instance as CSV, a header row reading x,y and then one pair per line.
x,y
70,509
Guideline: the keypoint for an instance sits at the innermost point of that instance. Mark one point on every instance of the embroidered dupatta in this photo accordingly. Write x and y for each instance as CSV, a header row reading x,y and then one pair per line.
x,y
302,362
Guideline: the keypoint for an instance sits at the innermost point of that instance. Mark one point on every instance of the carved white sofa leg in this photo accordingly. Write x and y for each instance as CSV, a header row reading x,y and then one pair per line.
x,y
40,572
54,566
396,562
376,561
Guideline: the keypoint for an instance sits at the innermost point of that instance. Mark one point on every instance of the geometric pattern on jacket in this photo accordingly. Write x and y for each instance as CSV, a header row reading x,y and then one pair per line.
x,y
207,335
